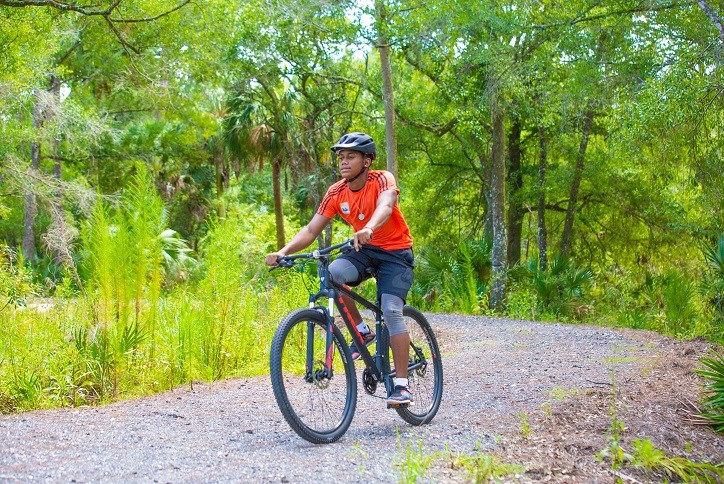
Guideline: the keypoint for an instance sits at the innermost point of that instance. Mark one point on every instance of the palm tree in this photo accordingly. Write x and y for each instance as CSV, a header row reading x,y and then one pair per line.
x,y
264,141
252,140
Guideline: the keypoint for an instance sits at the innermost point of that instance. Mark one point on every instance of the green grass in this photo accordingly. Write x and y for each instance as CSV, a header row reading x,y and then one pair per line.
x,y
525,430
413,462
483,467
712,412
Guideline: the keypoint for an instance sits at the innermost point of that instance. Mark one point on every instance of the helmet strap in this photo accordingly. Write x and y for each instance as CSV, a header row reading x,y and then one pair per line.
x,y
350,180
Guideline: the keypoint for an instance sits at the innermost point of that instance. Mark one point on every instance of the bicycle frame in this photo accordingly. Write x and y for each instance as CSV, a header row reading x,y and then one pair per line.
x,y
333,292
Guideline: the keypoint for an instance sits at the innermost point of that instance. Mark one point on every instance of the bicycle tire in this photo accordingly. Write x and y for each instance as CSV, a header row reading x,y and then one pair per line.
x,y
426,383
321,410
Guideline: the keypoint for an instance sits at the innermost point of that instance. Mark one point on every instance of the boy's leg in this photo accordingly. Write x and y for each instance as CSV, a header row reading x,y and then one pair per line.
x,y
399,337
343,271
394,279
400,344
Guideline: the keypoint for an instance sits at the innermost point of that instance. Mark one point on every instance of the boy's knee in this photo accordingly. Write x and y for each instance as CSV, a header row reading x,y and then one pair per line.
x,y
392,310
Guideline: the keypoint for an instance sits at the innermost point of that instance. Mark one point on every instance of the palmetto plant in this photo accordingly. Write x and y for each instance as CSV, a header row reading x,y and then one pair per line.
x,y
560,286
712,409
712,286
177,255
458,278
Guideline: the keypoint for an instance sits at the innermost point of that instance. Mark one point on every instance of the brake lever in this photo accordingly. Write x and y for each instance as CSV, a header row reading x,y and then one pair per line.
x,y
346,248
282,262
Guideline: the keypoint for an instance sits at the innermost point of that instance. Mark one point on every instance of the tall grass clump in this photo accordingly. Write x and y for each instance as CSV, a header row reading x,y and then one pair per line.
x,y
672,305
223,324
124,269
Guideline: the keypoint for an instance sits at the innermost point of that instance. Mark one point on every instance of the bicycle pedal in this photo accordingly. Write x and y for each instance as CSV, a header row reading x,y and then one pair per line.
x,y
400,405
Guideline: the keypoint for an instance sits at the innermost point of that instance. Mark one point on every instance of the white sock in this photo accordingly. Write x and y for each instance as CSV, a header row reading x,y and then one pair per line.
x,y
400,382
363,328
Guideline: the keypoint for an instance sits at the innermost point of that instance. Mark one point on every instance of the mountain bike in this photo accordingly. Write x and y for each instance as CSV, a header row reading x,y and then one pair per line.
x,y
312,372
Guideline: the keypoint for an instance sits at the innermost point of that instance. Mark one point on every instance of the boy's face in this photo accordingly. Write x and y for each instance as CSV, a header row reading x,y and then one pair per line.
x,y
351,163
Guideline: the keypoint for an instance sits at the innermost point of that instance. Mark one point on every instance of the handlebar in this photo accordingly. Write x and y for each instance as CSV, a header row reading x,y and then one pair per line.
x,y
288,260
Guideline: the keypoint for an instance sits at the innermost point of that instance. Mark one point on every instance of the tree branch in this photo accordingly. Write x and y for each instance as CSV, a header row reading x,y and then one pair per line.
x,y
714,18
66,7
106,12
437,130
151,19
62,6
123,41
626,11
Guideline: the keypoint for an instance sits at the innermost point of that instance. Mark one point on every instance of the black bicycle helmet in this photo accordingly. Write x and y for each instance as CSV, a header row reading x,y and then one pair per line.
x,y
358,142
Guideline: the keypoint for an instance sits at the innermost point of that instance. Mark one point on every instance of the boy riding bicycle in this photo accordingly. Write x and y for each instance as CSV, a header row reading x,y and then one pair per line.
x,y
367,200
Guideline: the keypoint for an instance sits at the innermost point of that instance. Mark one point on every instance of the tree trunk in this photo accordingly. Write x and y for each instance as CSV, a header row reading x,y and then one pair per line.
x,y
278,210
31,201
388,97
63,240
486,167
515,184
575,185
542,166
31,207
497,292
219,168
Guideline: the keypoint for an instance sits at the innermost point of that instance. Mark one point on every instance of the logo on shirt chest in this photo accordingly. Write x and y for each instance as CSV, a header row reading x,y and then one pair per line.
x,y
344,206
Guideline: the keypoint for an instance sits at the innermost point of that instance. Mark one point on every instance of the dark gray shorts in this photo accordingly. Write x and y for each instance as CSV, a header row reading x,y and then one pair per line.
x,y
392,268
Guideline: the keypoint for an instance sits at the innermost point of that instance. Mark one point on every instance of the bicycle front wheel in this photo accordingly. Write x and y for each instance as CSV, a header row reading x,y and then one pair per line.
x,y
424,370
316,405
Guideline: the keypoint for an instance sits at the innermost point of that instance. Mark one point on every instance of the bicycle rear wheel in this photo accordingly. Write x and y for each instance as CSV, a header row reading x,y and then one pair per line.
x,y
317,407
425,370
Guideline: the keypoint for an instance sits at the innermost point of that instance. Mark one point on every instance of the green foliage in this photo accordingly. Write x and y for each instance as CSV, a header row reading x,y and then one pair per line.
x,y
559,289
524,424
483,467
107,345
415,462
712,284
678,293
651,459
713,404
454,280
16,283
125,252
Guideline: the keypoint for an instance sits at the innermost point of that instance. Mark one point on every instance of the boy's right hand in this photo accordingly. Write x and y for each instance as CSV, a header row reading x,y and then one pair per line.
x,y
271,259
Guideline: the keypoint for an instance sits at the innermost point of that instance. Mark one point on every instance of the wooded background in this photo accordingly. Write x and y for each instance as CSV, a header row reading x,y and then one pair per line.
x,y
557,160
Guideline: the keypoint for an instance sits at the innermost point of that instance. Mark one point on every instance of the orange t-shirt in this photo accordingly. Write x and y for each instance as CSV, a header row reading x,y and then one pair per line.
x,y
356,208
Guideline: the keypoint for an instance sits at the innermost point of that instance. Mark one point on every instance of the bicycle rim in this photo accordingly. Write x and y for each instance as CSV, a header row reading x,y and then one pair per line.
x,y
425,377
318,408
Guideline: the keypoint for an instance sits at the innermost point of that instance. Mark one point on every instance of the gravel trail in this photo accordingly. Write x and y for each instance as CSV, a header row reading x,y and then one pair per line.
x,y
534,394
